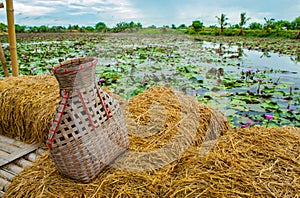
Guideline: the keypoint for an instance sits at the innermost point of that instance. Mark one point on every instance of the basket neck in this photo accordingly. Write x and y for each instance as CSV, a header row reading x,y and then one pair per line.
x,y
76,74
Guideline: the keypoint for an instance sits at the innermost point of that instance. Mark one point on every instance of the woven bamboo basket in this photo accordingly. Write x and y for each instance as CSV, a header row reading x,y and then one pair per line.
x,y
88,131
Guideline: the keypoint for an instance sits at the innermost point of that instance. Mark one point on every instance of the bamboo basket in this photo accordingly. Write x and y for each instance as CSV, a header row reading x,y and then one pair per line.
x,y
88,131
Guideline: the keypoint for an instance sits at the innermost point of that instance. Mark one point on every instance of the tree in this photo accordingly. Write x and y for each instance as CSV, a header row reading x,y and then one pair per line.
x,y
139,25
235,26
282,24
33,29
89,29
152,26
19,28
296,24
243,21
213,27
131,25
42,28
73,28
222,21
182,26
269,23
3,27
255,26
121,27
100,27
197,25
173,26
57,28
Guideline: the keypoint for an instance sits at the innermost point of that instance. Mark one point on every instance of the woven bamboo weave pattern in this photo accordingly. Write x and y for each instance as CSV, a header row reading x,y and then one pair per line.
x,y
88,130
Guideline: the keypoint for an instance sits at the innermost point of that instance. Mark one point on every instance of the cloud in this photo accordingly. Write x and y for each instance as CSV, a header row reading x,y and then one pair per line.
x,y
65,12
148,12
78,13
118,9
118,12
31,10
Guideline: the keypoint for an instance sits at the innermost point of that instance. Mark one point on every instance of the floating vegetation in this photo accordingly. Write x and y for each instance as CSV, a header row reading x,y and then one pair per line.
x,y
245,78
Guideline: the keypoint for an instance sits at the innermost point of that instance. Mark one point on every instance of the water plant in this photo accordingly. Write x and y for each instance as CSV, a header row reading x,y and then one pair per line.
x,y
217,71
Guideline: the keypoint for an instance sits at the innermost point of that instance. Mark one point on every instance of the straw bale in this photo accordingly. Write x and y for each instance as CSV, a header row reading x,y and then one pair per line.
x,y
27,107
163,124
178,148
253,162
164,129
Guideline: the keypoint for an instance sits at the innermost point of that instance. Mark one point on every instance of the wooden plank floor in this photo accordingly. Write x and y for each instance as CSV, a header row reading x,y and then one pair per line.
x,y
11,149
14,157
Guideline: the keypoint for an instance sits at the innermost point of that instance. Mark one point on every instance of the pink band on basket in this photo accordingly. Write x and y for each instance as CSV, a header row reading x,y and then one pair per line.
x,y
86,110
104,104
54,131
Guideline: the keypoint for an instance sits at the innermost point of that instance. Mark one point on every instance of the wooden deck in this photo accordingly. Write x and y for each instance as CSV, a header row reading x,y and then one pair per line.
x,y
14,157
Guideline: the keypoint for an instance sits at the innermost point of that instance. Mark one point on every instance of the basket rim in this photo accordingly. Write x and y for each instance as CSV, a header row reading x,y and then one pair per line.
x,y
84,63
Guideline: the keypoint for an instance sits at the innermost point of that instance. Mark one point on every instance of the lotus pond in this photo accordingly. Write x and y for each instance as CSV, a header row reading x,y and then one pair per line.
x,y
252,81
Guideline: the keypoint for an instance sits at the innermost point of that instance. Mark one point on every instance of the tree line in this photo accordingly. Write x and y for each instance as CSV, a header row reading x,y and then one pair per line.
x,y
99,27
196,26
270,24
269,27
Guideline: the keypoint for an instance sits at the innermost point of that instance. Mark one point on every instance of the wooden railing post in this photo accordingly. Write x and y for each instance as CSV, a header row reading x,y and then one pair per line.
x,y
2,60
12,37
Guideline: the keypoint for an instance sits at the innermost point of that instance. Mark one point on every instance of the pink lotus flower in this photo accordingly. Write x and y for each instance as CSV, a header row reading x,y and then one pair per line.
x,y
244,126
269,117
101,80
25,58
291,109
260,80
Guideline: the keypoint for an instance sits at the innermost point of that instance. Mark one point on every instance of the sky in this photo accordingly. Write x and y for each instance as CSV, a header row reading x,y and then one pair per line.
x,y
147,12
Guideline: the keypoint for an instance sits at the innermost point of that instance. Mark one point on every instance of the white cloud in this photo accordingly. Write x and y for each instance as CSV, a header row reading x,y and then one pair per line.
x,y
258,16
114,11
78,13
31,10
82,2
148,12
65,12
48,2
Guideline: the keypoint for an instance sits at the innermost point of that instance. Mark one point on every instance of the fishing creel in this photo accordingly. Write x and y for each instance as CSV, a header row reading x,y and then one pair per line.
x,y
88,131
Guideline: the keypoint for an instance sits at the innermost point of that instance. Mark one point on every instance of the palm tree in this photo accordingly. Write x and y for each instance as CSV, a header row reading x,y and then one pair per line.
x,y
243,21
269,23
222,21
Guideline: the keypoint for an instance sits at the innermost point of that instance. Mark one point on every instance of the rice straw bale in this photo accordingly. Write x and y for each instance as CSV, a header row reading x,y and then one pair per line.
x,y
27,107
178,148
157,148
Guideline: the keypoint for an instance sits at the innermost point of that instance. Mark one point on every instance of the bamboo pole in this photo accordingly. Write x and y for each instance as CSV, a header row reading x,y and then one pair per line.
x,y
2,59
12,37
